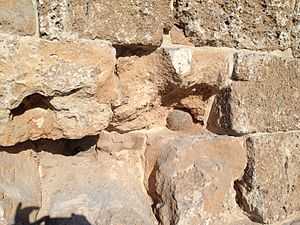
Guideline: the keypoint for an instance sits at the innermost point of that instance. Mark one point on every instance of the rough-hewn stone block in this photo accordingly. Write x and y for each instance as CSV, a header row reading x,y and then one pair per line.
x,y
105,190
18,17
192,177
264,96
250,24
53,90
119,21
202,72
269,190
143,80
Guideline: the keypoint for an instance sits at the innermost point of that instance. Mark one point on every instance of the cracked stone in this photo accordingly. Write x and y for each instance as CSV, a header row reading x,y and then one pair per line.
x,y
53,90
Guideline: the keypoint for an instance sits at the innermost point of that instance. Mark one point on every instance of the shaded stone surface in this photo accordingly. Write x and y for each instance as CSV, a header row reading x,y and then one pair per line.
x,y
201,72
19,183
269,189
262,98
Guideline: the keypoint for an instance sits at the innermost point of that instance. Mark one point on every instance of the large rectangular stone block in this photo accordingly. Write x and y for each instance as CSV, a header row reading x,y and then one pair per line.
x,y
263,97
18,17
250,24
269,190
191,176
120,21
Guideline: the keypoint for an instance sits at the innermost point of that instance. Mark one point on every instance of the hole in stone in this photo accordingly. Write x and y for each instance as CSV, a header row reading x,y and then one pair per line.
x,y
66,147
133,50
32,101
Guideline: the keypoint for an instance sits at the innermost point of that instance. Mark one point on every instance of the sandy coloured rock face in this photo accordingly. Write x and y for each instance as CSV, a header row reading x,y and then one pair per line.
x,y
248,24
201,72
269,189
143,81
106,191
119,21
18,17
19,183
149,112
192,177
53,90
263,96
94,187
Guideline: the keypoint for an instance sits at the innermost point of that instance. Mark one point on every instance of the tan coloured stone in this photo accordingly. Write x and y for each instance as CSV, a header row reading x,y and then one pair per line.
x,y
119,21
206,66
54,90
178,120
18,17
19,183
191,176
249,24
113,142
173,76
263,97
202,73
269,190
177,37
105,190
143,81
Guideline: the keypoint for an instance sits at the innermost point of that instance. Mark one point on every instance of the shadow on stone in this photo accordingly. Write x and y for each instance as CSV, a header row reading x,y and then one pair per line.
x,y
22,217
66,147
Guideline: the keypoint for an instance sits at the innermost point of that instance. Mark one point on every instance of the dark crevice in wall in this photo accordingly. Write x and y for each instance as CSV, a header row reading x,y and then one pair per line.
x,y
219,120
151,190
133,50
203,90
35,100
66,147
244,187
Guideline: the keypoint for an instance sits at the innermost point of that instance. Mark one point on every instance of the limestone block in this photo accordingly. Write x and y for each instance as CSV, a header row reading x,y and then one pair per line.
x,y
192,177
247,24
119,21
54,89
269,189
264,96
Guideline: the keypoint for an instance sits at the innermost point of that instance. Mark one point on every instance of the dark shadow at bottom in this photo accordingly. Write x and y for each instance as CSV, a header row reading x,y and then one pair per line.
x,y
22,217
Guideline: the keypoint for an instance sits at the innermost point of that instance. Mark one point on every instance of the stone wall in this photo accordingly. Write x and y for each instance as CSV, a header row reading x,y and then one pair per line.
x,y
149,112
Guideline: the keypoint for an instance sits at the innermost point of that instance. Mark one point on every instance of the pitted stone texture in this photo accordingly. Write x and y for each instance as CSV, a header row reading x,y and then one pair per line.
x,y
120,21
249,24
53,90
17,17
270,187
192,177
106,190
19,183
263,97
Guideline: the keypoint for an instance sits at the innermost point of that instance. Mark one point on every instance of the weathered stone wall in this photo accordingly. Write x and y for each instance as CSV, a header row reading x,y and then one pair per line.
x,y
149,112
